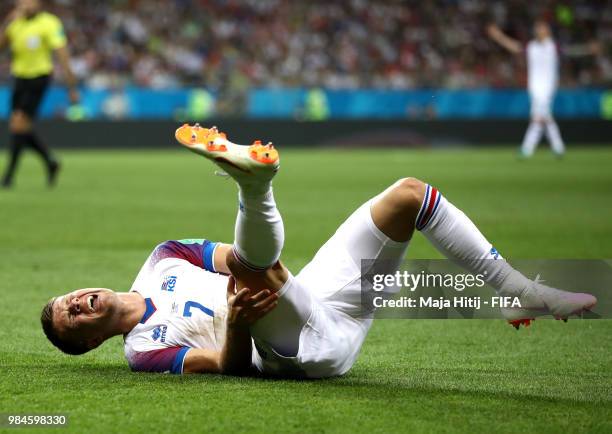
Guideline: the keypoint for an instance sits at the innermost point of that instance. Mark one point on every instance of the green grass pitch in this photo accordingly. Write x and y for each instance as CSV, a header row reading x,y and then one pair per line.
x,y
111,208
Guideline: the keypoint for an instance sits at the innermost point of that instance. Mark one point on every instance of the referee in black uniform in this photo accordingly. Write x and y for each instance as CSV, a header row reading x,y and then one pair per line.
x,y
33,36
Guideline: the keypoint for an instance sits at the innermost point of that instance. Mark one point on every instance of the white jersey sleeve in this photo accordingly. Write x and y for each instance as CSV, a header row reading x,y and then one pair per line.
x,y
186,306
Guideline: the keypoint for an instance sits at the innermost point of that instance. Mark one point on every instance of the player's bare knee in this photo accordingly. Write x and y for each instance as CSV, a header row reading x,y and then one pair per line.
x,y
409,193
19,123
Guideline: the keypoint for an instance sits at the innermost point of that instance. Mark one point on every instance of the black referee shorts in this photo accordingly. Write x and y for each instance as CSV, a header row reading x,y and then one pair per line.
x,y
28,94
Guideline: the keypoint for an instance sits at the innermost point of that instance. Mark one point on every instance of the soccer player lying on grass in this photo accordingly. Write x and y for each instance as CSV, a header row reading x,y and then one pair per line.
x,y
185,314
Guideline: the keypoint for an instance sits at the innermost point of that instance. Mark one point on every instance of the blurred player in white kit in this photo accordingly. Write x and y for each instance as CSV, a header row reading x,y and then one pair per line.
x,y
542,79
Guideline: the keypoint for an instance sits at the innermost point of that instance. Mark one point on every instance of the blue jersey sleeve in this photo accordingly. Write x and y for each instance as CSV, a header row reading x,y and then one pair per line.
x,y
198,252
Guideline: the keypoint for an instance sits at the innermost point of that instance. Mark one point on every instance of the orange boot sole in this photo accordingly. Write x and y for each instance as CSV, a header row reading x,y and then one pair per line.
x,y
265,154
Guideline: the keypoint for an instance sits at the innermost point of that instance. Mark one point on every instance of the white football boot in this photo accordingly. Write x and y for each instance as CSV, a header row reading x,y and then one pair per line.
x,y
539,300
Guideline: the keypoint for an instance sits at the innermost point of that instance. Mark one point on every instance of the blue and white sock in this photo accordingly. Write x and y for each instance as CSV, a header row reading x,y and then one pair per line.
x,y
450,231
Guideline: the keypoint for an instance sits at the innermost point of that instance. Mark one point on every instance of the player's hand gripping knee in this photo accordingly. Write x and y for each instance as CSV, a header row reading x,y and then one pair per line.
x,y
246,306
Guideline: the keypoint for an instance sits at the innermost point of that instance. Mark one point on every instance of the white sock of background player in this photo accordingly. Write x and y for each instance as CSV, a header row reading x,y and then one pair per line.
x,y
532,138
554,137
259,232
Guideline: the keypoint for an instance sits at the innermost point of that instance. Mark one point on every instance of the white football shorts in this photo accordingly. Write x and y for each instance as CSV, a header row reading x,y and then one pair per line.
x,y
320,310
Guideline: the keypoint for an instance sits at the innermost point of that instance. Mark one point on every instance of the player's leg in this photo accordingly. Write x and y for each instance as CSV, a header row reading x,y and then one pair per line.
x,y
32,102
552,129
16,149
259,234
253,261
554,137
533,135
458,239
16,127
544,113
258,241
372,236
52,163
21,125
26,99
411,204
280,329
399,203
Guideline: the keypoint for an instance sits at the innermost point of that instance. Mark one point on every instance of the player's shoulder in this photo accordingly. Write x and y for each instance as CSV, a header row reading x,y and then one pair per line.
x,y
15,24
174,252
47,16
48,19
197,252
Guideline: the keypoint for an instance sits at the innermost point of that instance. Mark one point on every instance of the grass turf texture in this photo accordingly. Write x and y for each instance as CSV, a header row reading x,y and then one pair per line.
x,y
111,209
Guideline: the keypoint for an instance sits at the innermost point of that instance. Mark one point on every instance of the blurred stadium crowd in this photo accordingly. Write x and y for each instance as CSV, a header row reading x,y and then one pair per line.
x,y
232,45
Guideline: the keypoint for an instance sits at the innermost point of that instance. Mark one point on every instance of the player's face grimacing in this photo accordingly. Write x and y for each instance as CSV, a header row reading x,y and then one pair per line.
x,y
85,315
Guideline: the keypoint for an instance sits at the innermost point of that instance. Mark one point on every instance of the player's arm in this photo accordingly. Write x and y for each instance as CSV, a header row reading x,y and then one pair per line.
x,y
510,44
592,48
57,41
244,308
63,56
234,359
